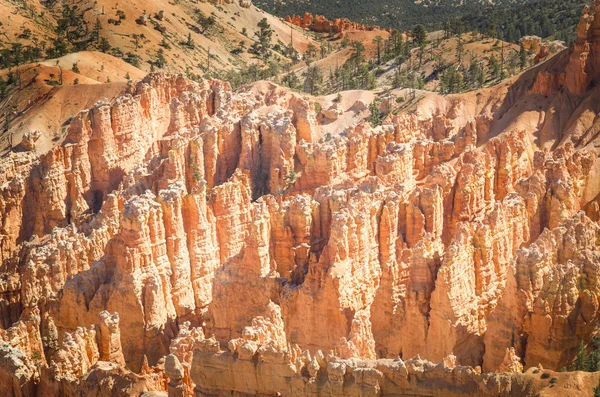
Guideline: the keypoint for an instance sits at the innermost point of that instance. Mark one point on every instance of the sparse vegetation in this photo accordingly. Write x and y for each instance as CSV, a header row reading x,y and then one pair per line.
x,y
291,80
159,59
313,80
375,117
133,59
248,74
207,24
291,177
588,357
262,47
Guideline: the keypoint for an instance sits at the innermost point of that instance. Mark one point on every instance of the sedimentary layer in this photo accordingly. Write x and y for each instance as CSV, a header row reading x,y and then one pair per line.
x,y
262,247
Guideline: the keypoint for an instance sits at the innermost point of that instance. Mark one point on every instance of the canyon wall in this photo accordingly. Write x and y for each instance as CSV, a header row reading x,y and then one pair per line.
x,y
214,241
320,24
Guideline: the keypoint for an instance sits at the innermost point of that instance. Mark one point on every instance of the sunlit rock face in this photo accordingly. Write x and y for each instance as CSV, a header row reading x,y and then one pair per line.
x,y
214,241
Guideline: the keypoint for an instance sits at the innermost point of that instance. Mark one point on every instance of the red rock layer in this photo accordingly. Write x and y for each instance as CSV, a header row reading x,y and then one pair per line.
x,y
320,24
465,232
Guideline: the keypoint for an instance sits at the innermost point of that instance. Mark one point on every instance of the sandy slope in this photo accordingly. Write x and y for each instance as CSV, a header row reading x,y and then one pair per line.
x,y
178,21
40,104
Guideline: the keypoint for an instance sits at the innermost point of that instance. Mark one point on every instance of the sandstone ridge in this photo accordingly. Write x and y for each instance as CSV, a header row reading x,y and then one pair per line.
x,y
320,24
190,239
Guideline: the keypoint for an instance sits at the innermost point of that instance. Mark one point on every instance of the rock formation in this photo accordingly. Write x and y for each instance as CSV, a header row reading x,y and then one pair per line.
x,y
542,50
272,372
320,24
187,238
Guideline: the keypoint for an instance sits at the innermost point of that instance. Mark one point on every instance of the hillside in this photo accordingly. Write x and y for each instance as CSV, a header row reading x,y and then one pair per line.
x,y
183,36
360,58
64,47
386,60
528,16
42,97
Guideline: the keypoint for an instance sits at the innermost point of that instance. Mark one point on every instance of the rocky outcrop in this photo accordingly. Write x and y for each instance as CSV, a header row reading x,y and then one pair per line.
x,y
261,248
18,374
511,362
29,140
583,62
320,24
174,370
540,49
110,338
272,372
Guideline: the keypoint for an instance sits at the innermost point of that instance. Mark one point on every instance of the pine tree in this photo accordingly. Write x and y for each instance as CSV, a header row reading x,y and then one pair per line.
x,y
313,80
207,23
262,47
451,81
460,49
375,117
377,41
420,35
97,29
581,360
359,50
522,57
593,361
494,67
311,52
104,44
190,41
476,75
160,61
291,80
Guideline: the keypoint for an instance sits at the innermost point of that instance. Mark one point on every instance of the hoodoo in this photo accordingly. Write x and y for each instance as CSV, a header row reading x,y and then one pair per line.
x,y
188,239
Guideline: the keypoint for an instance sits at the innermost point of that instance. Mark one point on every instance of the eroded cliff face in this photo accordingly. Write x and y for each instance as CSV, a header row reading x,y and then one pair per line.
x,y
320,24
259,250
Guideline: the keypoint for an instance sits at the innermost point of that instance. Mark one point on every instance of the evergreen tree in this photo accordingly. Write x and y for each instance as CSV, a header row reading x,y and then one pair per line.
x,y
104,45
460,49
190,41
375,118
313,80
291,80
262,47
207,23
581,360
359,50
378,41
522,57
451,81
160,61
311,52
593,361
494,67
97,29
420,35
